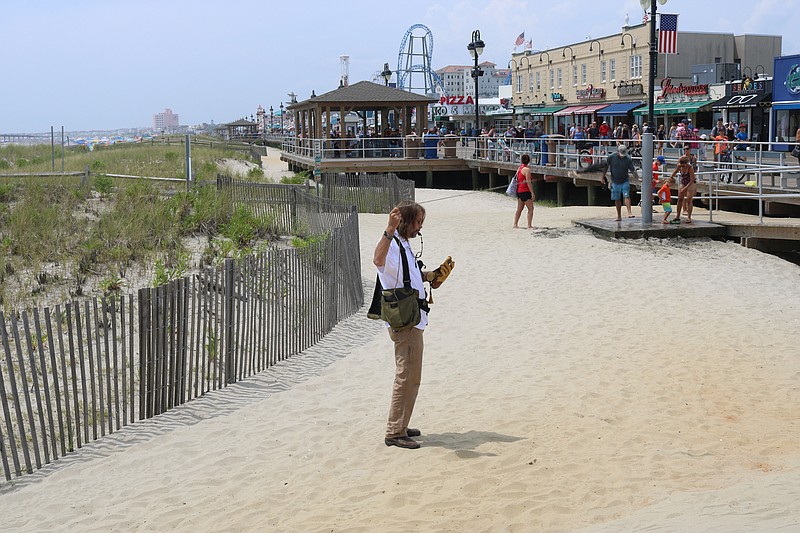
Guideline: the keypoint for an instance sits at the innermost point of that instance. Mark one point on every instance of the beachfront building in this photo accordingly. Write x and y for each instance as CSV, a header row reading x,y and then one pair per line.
x,y
786,102
167,121
607,78
456,110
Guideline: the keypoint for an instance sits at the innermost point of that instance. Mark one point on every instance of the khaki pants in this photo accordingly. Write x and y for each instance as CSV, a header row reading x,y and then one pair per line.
x,y
408,348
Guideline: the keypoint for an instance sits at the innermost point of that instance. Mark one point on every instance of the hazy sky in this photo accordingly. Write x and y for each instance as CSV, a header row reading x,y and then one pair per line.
x,y
114,63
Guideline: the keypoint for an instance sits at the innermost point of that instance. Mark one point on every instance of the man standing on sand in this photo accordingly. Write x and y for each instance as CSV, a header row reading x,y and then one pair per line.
x,y
621,166
405,222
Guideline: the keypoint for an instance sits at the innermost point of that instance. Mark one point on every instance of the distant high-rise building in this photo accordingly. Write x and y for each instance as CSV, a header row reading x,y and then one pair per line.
x,y
166,121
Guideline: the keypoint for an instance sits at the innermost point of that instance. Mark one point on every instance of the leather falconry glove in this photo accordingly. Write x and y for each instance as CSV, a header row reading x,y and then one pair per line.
x,y
437,277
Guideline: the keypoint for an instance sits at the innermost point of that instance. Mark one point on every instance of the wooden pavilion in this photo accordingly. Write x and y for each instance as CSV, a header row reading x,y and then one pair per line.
x,y
240,129
313,117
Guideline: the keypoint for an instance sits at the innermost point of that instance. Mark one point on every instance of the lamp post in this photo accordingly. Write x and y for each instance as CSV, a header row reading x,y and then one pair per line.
x,y
281,107
647,138
271,115
386,74
476,49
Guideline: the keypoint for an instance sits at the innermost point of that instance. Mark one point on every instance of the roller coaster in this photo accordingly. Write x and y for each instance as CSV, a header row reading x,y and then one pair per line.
x,y
414,72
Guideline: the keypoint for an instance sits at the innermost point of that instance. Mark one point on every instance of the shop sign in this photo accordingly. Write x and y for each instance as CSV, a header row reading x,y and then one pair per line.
x,y
456,100
792,82
590,93
689,90
749,86
557,97
456,110
742,100
630,90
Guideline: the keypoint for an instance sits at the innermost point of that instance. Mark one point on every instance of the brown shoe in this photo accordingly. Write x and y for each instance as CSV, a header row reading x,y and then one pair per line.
x,y
402,442
412,432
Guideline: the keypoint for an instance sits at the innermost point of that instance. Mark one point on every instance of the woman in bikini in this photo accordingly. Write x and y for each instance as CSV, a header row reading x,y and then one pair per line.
x,y
687,189
525,196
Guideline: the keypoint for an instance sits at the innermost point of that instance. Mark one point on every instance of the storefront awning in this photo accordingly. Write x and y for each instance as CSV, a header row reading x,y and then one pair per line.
x,y
675,108
785,105
589,109
534,110
741,100
569,110
619,109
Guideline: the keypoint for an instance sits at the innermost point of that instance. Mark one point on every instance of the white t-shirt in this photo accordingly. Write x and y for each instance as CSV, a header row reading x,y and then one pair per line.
x,y
391,275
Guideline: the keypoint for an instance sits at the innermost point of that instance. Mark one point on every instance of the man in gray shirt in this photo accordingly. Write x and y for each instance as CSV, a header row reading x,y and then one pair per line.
x,y
621,166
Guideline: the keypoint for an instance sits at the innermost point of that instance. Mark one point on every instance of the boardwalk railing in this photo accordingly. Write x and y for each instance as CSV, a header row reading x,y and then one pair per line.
x,y
76,372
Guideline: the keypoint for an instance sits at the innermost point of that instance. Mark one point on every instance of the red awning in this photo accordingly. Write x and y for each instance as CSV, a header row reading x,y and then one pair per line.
x,y
589,109
569,110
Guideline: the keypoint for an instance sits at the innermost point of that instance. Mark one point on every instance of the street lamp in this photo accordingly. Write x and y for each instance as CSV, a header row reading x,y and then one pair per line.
x,y
271,114
476,49
600,50
647,138
633,41
387,74
281,106
571,53
549,61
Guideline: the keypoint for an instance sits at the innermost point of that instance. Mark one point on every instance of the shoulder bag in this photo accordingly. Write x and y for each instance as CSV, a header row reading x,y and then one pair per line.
x,y
399,307
512,187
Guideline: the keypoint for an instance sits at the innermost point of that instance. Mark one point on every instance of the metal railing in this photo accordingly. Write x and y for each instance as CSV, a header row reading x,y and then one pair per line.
x,y
550,151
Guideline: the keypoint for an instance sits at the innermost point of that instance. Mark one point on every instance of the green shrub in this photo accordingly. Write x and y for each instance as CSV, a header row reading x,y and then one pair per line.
x,y
103,184
255,173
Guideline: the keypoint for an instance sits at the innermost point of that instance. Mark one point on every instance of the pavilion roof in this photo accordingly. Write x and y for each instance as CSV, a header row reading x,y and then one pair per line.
x,y
365,93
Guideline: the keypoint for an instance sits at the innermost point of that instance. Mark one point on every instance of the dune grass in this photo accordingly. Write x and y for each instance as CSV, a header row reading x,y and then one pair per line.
x,y
66,230
136,159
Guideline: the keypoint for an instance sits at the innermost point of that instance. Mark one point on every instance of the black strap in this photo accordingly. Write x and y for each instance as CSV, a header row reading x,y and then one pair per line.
x,y
406,275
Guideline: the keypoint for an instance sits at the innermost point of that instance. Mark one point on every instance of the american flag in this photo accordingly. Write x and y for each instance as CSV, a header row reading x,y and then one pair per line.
x,y
668,34
520,39
645,18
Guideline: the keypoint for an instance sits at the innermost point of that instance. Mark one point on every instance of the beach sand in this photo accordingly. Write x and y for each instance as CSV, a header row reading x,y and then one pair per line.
x,y
570,383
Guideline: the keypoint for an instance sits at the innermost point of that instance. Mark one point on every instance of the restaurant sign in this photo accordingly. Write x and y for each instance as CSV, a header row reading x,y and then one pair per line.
x,y
590,93
634,89
557,97
689,90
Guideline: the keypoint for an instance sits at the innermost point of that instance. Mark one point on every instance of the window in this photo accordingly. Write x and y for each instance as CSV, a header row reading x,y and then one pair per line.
x,y
530,81
636,67
559,78
552,81
538,80
575,75
583,73
612,67
603,71
519,83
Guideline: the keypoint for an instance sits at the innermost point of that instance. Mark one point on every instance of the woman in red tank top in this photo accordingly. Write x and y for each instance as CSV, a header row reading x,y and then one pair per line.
x,y
525,196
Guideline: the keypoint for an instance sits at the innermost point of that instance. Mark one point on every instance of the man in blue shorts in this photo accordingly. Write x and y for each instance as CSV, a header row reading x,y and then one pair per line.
x,y
621,166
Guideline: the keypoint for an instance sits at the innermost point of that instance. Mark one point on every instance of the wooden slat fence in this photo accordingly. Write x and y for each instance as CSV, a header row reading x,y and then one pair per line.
x,y
76,372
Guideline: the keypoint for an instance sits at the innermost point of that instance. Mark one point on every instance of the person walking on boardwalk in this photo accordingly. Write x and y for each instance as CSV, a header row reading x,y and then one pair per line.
x,y
405,222
525,195
621,167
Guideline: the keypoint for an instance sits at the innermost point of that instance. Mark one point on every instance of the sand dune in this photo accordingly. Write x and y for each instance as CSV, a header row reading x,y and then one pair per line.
x,y
570,383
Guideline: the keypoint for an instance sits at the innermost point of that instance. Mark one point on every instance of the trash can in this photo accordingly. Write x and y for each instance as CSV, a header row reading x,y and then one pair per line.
x,y
431,143
552,147
450,142
543,149
412,147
